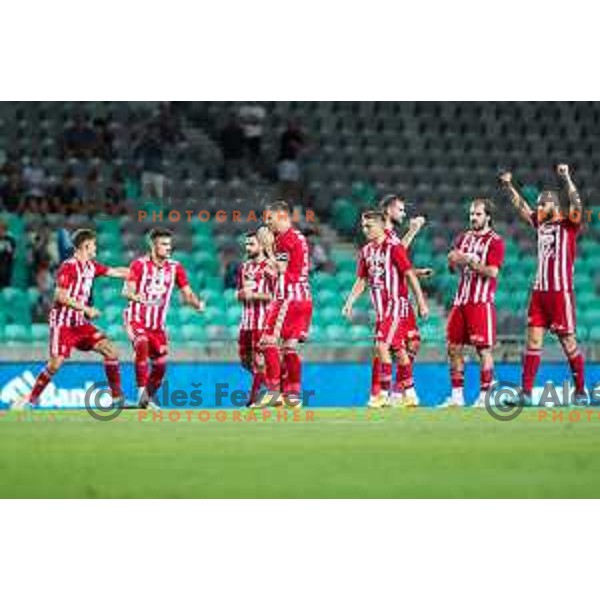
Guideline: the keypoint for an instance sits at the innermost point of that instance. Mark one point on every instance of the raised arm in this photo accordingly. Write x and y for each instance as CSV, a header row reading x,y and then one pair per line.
x,y
508,187
415,226
564,176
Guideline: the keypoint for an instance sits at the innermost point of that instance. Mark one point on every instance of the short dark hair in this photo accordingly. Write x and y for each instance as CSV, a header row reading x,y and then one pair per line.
x,y
388,200
279,206
251,234
159,233
81,236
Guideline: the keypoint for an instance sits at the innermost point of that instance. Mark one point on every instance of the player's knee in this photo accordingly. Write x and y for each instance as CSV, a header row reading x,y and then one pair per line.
x,y
569,343
535,339
55,363
110,352
454,351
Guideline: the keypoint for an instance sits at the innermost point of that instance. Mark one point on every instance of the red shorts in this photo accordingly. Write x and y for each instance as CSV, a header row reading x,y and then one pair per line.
x,y
158,344
412,328
393,331
248,346
289,319
552,310
472,325
63,338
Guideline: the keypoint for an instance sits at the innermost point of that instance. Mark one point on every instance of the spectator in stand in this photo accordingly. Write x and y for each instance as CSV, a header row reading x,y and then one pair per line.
x,y
34,177
45,287
104,139
252,117
231,266
167,123
79,140
39,252
291,144
150,155
12,193
66,193
232,147
8,247
320,260
92,191
65,245
115,190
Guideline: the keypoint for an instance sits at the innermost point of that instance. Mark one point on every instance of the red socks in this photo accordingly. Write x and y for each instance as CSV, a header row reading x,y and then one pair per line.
x,y
486,377
272,367
457,378
376,377
531,364
577,364
42,380
293,370
405,376
386,376
113,374
159,368
141,363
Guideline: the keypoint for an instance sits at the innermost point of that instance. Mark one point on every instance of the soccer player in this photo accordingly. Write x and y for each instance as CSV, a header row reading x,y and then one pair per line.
x,y
394,210
478,254
384,267
255,287
148,288
552,302
71,314
289,314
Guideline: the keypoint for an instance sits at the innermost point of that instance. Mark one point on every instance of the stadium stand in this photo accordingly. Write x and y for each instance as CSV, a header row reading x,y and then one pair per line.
x,y
57,160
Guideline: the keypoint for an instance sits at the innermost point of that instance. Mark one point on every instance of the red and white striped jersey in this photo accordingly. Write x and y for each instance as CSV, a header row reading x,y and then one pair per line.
x,y
255,277
77,278
488,249
155,284
392,235
384,267
293,283
557,247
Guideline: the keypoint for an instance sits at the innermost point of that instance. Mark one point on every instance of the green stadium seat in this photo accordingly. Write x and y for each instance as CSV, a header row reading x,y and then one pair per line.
x,y
39,333
345,216
14,333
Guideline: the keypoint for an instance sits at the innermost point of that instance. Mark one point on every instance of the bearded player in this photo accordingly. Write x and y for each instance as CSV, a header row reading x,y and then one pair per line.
x,y
384,267
148,288
394,210
552,302
71,314
255,287
289,314
478,255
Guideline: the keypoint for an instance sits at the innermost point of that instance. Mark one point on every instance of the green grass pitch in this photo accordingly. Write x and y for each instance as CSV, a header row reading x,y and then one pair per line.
x,y
335,453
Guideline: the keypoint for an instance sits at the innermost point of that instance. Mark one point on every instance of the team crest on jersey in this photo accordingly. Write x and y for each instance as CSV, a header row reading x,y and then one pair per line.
x,y
547,248
158,283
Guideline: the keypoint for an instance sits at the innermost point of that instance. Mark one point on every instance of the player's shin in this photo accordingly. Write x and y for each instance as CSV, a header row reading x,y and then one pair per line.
x,y
577,364
113,375
157,374
272,367
42,380
531,364
486,376
141,367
